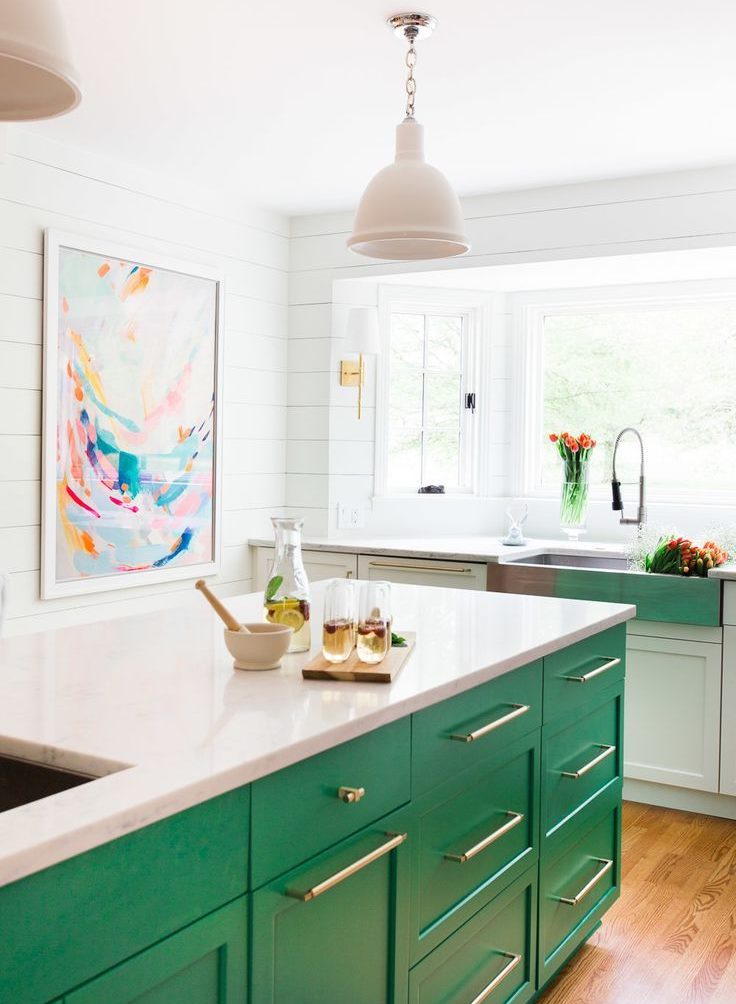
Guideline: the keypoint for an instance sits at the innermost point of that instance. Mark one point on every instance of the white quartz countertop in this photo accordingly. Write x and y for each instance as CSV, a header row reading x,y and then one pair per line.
x,y
158,692
476,548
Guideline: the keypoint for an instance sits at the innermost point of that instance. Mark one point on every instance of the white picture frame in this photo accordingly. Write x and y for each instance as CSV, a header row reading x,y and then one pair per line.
x,y
57,242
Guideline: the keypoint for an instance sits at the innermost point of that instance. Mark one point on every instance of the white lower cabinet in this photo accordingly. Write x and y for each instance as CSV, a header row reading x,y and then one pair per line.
x,y
423,571
728,713
673,708
317,564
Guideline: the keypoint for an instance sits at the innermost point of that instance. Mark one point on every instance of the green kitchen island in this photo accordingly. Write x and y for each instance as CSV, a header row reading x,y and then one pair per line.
x,y
452,837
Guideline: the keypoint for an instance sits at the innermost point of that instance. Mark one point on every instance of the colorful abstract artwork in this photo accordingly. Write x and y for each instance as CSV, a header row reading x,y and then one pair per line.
x,y
131,404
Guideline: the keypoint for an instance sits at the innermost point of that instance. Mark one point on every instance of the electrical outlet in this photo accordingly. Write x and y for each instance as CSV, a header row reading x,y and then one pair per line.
x,y
350,517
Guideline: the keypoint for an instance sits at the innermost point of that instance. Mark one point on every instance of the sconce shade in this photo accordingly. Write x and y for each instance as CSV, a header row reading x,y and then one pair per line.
x,y
409,211
37,79
361,334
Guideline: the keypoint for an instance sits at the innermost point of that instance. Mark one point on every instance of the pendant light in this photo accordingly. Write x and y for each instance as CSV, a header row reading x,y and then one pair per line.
x,y
409,211
37,79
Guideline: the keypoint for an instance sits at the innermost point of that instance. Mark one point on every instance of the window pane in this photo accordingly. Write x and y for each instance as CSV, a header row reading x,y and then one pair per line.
x,y
669,372
406,398
442,401
407,340
441,452
444,343
404,458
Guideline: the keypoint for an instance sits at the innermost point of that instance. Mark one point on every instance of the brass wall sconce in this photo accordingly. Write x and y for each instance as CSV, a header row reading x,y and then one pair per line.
x,y
361,337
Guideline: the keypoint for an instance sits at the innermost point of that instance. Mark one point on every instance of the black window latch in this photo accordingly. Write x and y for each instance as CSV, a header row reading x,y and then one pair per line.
x,y
470,403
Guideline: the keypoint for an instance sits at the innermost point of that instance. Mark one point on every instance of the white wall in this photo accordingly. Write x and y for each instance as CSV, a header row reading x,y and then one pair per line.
x,y
692,209
45,185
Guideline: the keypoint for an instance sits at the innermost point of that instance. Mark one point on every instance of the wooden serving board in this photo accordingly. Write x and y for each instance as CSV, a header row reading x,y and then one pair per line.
x,y
355,671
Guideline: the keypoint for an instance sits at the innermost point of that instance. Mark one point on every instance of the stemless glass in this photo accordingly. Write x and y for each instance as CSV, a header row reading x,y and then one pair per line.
x,y
374,622
338,631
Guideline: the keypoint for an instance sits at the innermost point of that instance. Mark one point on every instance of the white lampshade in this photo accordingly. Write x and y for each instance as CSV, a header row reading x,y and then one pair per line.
x,y
409,211
37,79
361,333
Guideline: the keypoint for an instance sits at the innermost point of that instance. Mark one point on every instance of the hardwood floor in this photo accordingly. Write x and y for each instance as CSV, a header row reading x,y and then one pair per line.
x,y
671,937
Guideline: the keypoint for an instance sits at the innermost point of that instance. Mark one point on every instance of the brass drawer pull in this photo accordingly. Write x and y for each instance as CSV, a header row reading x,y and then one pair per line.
x,y
350,795
594,672
606,751
469,737
514,820
433,569
498,980
356,866
579,897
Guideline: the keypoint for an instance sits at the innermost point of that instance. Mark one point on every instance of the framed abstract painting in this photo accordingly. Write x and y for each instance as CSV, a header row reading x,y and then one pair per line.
x,y
132,402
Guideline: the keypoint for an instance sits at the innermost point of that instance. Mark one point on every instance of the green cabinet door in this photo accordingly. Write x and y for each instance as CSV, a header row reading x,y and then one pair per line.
x,y
203,964
334,930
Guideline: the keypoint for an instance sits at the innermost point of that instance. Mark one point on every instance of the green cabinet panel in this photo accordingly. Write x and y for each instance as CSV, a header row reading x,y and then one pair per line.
x,y
346,944
582,757
66,924
438,750
470,839
297,812
495,949
577,887
205,963
575,676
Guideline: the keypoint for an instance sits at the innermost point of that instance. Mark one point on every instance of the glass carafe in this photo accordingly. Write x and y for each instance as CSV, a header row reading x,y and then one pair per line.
x,y
286,598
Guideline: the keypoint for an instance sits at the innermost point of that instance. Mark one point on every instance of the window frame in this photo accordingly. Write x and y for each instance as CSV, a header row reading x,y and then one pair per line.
x,y
528,311
475,310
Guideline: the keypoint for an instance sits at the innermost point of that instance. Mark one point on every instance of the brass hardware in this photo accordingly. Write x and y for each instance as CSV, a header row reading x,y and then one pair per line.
x,y
606,751
350,795
469,737
498,980
356,866
421,568
516,818
353,375
349,574
580,896
594,672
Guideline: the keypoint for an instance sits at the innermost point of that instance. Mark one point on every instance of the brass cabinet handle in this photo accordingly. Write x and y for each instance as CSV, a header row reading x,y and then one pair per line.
x,y
350,795
469,737
580,896
349,574
606,751
594,672
434,569
498,980
514,820
356,866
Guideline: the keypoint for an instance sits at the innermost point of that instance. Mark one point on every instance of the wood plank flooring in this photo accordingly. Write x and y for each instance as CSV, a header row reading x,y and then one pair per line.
x,y
671,937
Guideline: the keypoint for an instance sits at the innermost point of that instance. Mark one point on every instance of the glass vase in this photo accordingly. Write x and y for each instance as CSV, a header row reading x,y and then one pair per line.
x,y
574,498
286,598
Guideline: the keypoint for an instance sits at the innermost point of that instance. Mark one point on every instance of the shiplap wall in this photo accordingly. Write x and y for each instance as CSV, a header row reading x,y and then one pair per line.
x,y
45,185
689,209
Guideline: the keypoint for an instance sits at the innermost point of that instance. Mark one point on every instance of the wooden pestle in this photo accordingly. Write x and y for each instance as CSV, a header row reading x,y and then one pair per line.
x,y
222,612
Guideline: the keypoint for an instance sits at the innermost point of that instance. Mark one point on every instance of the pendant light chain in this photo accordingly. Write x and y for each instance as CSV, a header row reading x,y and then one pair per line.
x,y
411,84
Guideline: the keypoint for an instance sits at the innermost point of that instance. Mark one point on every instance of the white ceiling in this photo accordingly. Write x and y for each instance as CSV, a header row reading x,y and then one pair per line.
x,y
293,104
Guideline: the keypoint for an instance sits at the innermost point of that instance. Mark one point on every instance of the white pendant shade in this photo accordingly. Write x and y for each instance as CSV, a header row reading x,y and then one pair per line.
x,y
37,80
361,333
409,211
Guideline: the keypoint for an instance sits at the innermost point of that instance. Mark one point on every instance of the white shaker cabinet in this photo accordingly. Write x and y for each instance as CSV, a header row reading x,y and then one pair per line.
x,y
673,706
423,571
317,564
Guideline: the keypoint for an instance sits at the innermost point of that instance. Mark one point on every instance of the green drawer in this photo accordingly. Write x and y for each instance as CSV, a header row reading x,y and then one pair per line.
x,y
582,757
442,749
495,953
298,812
470,840
578,674
577,888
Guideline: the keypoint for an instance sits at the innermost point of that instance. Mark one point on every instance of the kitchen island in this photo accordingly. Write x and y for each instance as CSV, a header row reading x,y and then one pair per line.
x,y
260,837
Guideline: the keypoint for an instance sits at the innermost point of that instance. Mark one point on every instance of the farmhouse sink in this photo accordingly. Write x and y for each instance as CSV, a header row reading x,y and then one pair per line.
x,y
22,781
671,598
560,559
